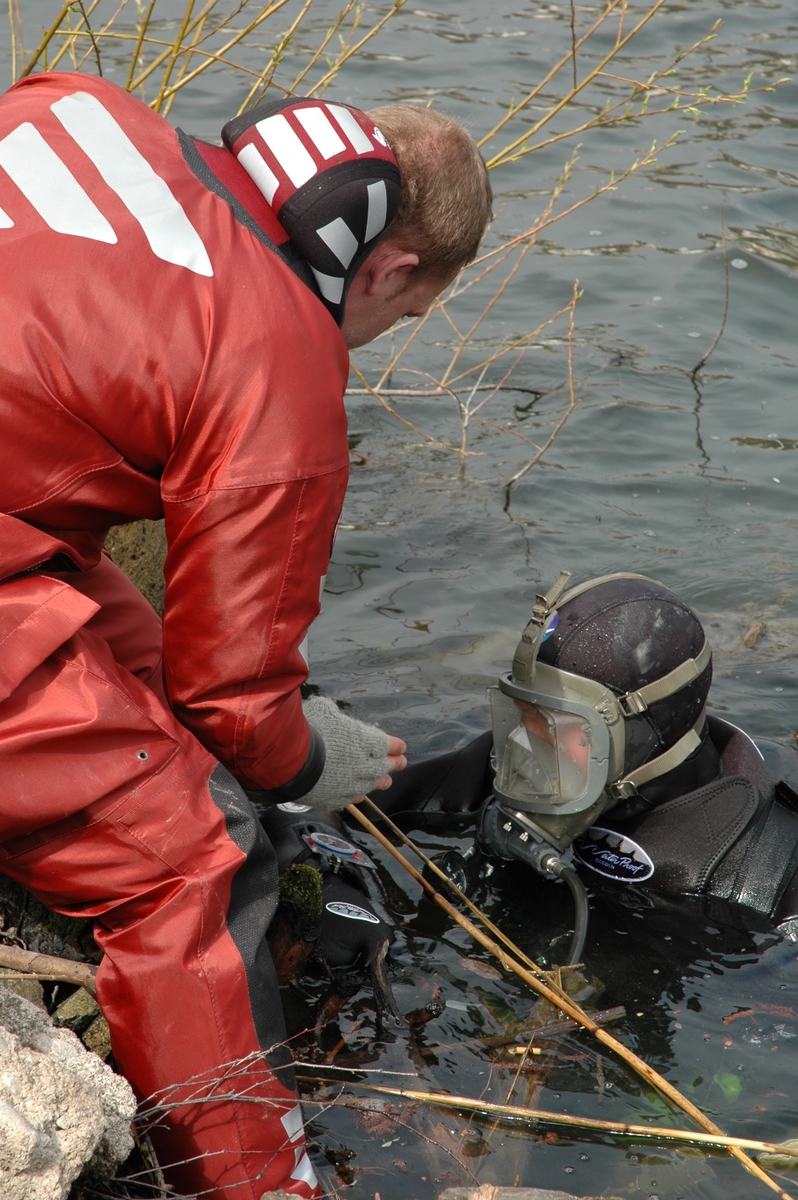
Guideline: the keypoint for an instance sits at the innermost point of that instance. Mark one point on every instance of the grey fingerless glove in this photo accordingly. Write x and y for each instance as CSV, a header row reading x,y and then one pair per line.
x,y
356,755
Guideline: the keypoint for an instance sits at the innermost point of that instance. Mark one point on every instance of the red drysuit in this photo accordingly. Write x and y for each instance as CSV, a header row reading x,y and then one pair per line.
x,y
158,358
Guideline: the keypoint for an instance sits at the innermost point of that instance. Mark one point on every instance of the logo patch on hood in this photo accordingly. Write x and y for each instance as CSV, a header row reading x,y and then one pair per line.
x,y
612,855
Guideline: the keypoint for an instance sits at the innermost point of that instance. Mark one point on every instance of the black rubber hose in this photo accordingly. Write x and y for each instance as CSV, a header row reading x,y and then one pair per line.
x,y
582,913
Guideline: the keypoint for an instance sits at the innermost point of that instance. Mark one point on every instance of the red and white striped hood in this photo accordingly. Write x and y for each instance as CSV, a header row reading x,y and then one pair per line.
x,y
329,177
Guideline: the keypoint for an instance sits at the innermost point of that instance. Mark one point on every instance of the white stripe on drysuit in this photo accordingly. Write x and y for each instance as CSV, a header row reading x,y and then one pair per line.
x,y
144,194
50,186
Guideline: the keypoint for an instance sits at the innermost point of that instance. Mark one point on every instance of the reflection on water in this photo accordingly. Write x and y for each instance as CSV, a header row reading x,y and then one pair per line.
x,y
656,471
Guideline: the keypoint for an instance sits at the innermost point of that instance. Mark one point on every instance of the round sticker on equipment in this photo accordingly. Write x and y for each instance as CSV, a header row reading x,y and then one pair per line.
x,y
352,911
291,806
613,855
331,845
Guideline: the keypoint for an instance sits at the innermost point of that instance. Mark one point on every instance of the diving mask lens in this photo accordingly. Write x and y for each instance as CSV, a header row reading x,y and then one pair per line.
x,y
543,754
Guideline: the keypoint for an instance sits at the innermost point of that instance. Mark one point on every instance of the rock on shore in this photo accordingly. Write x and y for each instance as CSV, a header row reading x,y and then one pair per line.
x,y
63,1112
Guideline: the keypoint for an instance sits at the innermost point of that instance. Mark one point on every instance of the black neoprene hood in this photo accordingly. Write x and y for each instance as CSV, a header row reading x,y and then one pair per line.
x,y
626,633
329,176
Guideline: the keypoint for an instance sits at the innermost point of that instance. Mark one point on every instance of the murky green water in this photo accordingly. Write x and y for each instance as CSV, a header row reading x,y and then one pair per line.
x,y
693,482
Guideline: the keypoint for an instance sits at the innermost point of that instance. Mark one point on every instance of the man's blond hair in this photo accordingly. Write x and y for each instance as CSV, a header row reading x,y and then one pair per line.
x,y
446,194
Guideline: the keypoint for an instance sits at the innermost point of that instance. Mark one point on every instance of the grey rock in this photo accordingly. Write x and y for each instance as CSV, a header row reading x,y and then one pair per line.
x,y
29,989
26,922
63,1112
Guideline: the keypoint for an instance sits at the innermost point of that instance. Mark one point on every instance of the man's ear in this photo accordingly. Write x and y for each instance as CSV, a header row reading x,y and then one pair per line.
x,y
387,264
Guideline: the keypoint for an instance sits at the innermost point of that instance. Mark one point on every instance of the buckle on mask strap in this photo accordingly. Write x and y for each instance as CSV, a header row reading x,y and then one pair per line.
x,y
634,703
526,653
655,767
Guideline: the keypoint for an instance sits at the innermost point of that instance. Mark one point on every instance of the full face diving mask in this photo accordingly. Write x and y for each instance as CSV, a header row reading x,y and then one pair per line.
x,y
560,740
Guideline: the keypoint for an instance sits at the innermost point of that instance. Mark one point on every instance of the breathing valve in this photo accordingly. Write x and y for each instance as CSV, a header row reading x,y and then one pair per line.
x,y
507,834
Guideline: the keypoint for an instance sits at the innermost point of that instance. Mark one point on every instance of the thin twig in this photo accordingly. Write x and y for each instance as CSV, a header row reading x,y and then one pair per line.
x,y
573,38
171,48
269,11
514,109
375,29
176,49
45,42
137,52
571,393
701,362
323,44
412,394
428,436
502,155
90,32
13,30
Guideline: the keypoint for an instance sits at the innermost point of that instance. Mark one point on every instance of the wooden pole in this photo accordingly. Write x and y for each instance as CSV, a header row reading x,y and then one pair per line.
x,y
566,1005
446,1100
48,967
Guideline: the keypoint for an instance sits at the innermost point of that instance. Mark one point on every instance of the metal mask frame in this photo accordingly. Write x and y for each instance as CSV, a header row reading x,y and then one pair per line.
x,y
595,705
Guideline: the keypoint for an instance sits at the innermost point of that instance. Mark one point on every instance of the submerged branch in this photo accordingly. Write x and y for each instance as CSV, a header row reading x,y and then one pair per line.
x,y
428,436
702,361
617,1128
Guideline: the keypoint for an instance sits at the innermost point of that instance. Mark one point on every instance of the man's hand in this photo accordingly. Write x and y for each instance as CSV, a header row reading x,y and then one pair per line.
x,y
358,756
397,760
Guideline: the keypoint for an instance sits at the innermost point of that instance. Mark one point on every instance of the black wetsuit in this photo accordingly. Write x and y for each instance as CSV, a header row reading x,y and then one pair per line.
x,y
723,825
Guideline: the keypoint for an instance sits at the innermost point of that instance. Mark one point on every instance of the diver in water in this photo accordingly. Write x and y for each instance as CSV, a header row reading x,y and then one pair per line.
x,y
602,763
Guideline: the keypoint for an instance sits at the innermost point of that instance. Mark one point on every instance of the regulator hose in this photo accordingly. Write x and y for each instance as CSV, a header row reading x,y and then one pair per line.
x,y
582,909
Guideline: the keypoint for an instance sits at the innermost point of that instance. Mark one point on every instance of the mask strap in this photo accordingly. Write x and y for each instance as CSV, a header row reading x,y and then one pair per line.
x,y
673,757
634,703
591,583
526,652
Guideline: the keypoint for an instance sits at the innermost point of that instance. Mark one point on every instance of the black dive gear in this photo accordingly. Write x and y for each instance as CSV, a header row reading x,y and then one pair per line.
x,y
733,839
353,938
607,692
689,805
729,834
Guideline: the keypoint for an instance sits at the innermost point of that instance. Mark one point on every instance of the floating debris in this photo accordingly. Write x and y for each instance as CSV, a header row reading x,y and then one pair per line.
x,y
480,968
752,634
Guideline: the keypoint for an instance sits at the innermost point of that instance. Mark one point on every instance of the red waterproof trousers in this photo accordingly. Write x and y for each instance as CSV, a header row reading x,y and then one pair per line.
x,y
115,811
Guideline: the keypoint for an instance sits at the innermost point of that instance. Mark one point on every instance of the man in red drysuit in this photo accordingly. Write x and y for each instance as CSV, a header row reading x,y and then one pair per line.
x,y
171,346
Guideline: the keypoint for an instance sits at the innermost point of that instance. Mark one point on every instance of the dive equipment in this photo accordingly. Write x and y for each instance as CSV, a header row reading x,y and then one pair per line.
x,y
562,754
354,932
